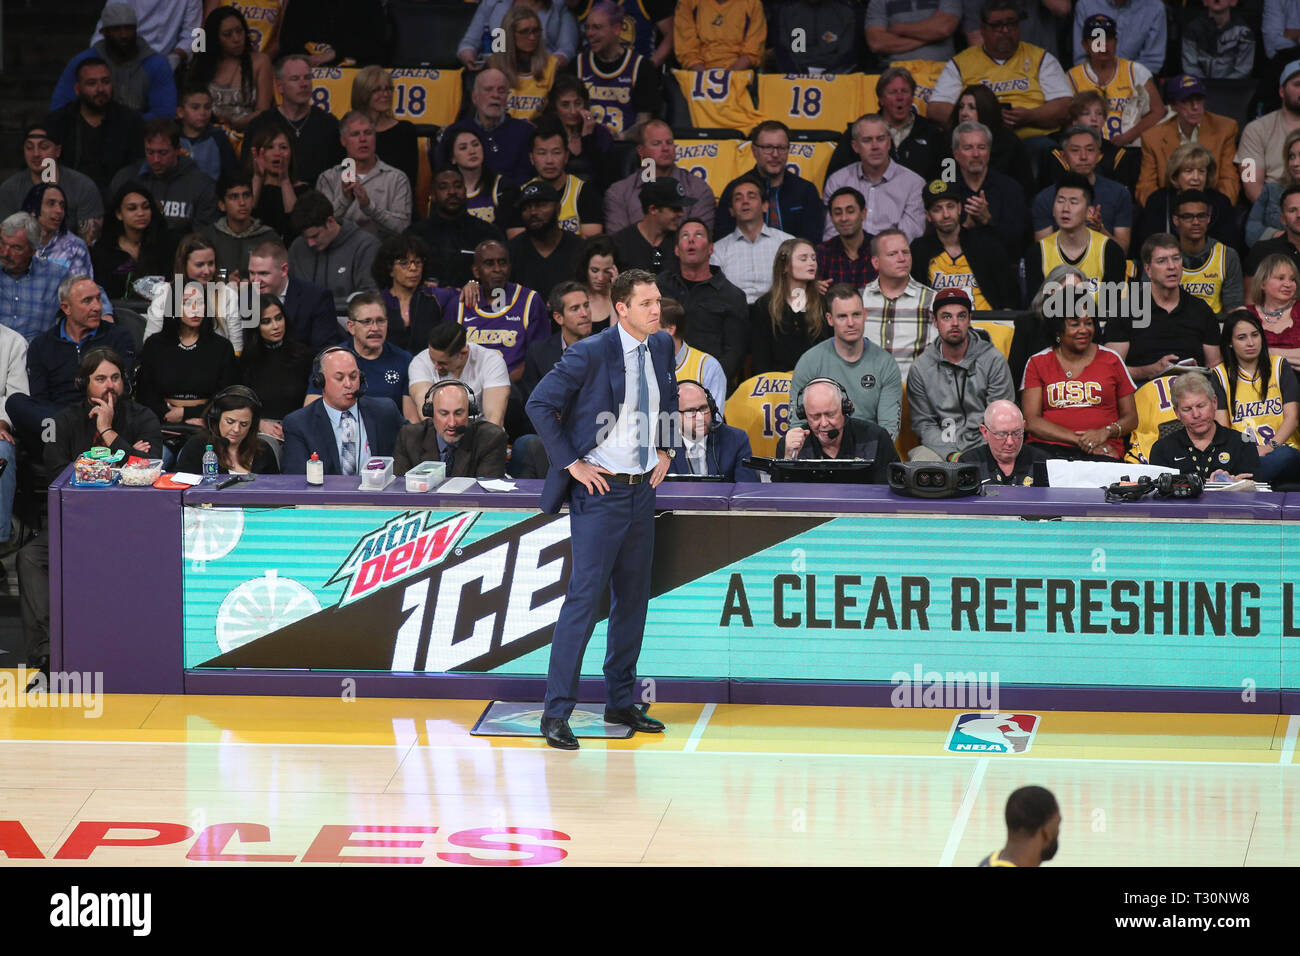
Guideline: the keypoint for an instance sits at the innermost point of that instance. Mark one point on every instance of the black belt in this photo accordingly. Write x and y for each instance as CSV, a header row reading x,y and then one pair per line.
x,y
625,479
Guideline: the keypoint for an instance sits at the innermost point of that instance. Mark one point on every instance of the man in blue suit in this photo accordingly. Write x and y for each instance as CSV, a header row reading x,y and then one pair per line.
x,y
709,446
343,428
308,308
607,413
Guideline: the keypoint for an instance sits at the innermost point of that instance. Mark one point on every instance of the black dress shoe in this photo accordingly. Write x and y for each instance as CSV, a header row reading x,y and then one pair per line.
x,y
631,717
557,733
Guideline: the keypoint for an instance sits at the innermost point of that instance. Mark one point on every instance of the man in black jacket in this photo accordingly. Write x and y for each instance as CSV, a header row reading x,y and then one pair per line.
x,y
452,432
106,417
53,356
451,232
99,136
718,311
831,434
794,205
947,256
308,307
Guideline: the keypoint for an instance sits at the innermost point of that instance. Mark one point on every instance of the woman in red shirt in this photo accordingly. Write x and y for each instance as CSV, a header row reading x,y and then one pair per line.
x,y
1273,302
1078,396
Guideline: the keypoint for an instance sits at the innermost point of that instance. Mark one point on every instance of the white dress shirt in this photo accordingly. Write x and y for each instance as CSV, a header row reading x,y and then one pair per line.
x,y
748,265
618,451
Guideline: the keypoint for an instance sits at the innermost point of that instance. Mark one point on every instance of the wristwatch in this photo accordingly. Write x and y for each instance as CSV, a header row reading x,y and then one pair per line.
x,y
1273,443
670,452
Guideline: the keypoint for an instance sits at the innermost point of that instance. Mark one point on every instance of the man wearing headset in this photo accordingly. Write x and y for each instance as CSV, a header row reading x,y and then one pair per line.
x,y
344,428
709,445
454,433
832,432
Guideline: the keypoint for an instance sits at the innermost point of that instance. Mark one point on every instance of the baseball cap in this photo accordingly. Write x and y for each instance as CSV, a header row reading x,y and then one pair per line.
x,y
1289,70
939,190
43,130
664,192
1099,21
537,192
950,296
118,15
1182,87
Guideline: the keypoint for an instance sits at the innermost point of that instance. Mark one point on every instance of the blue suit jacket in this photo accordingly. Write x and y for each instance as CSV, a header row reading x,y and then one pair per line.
x,y
576,398
309,310
308,430
724,450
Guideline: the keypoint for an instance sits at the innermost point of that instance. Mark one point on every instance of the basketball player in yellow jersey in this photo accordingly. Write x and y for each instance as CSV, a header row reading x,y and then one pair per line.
x,y
263,18
1033,829
1097,257
1211,271
1133,103
946,256
1027,80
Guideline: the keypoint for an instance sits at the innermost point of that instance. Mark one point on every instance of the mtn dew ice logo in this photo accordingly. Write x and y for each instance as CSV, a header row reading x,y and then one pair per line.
x,y
405,545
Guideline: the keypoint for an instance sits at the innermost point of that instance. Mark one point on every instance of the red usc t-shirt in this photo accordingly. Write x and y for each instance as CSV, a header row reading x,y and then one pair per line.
x,y
1089,401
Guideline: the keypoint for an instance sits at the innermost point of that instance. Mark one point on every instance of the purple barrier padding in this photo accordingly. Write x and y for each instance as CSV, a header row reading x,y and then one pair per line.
x,y
118,580
418,686
1016,698
272,490
1290,702
1291,506
54,536
1004,501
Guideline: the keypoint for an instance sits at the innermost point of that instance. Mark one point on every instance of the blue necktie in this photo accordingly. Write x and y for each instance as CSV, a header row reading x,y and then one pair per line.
x,y
348,428
643,408
448,455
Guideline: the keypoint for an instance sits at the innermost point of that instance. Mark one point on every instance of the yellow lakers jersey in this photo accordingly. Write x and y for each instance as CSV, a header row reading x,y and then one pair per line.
x,y
569,220
717,161
528,95
1258,416
945,272
719,99
808,160
421,96
1155,409
826,101
1014,82
263,17
1206,283
692,364
760,407
1092,264
1122,88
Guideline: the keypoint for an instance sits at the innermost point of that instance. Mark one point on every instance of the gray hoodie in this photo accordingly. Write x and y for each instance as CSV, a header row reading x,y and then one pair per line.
x,y
186,195
948,399
343,266
233,248
131,79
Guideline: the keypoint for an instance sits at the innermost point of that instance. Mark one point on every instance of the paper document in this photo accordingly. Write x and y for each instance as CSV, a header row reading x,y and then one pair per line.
x,y
496,484
1097,474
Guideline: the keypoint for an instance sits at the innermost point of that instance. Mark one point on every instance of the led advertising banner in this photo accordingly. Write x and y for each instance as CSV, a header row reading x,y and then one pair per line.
x,y
751,596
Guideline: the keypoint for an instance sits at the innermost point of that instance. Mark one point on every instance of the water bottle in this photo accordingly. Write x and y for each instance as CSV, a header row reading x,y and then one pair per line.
x,y
209,464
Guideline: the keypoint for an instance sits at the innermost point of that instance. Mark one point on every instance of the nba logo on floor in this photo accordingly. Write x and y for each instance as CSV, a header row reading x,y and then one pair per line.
x,y
992,733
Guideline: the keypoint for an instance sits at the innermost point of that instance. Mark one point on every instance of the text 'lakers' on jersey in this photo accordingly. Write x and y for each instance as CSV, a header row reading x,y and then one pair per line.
x,y
611,93
713,161
760,407
946,272
528,95
824,102
1015,81
1258,417
263,18
1206,283
505,329
719,99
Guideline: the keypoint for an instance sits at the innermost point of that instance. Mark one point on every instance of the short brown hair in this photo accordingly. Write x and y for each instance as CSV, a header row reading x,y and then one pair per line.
x,y
841,290
672,316
365,298
621,290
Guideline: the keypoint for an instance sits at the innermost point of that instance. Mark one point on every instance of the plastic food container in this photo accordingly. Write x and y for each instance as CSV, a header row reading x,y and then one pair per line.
x,y
93,471
142,474
426,476
377,474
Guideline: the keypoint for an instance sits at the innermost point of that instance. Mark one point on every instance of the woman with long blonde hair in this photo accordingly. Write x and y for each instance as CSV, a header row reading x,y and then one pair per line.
x,y
529,69
790,318
396,141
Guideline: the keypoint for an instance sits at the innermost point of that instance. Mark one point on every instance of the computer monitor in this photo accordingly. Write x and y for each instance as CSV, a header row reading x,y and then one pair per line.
x,y
842,471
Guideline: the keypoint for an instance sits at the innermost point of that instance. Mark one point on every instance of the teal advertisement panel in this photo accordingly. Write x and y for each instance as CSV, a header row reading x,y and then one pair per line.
x,y
752,596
